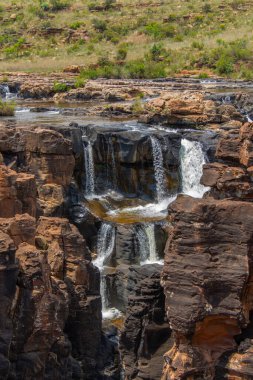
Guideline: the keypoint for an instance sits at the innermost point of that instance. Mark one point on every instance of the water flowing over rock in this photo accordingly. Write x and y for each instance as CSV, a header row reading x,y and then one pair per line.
x,y
85,301
158,169
192,161
89,170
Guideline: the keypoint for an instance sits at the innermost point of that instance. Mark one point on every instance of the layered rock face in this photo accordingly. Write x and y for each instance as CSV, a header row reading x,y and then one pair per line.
x,y
146,331
50,319
188,108
207,276
45,154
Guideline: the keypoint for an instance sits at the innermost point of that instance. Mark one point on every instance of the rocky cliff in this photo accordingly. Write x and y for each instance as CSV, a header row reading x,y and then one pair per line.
x,y
207,275
50,322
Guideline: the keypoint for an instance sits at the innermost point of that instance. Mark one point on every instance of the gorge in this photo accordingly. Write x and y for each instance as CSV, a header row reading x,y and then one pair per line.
x,y
126,240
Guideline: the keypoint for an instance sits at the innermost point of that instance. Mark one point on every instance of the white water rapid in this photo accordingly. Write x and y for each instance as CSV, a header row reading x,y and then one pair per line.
x,y
158,168
8,95
192,160
105,246
89,170
146,243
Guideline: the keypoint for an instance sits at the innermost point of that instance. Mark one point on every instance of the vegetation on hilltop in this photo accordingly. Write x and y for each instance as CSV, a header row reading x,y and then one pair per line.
x,y
126,38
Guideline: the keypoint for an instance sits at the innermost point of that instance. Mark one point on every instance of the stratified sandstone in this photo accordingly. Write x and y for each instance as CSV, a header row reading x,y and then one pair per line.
x,y
232,176
51,318
188,108
17,193
206,278
49,157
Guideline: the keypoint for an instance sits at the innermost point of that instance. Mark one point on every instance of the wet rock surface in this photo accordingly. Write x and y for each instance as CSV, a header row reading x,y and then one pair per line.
x,y
146,331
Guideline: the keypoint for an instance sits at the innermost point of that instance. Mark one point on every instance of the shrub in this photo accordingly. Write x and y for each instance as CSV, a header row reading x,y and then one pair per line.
x,y
246,73
225,65
137,106
45,6
198,45
76,25
16,49
122,52
99,25
141,69
159,31
58,5
109,4
156,52
203,76
207,8
60,87
80,82
7,108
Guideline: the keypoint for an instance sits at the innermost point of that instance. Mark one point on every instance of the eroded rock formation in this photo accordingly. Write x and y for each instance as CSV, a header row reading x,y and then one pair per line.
x,y
188,108
50,319
207,276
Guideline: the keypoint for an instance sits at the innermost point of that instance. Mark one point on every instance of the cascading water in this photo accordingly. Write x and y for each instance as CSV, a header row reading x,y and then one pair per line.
x,y
192,160
5,91
105,246
146,243
89,169
158,168
113,160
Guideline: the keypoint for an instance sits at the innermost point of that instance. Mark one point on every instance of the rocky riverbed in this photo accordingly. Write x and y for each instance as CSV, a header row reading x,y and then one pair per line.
x,y
126,237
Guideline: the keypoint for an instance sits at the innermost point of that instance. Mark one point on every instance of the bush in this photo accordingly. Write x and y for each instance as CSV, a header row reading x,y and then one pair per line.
x,y
7,108
99,25
137,106
141,69
207,8
198,45
60,87
109,4
225,65
159,31
137,69
203,76
122,52
58,5
76,25
16,50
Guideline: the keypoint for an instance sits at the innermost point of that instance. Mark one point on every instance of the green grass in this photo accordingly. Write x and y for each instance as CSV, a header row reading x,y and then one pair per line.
x,y
141,39
6,109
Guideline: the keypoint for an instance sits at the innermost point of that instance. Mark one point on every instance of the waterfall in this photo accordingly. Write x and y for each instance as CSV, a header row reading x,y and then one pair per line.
x,y
105,245
192,160
114,170
89,169
146,243
158,168
5,91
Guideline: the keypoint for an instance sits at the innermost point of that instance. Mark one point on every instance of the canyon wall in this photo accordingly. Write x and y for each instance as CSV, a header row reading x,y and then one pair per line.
x,y
207,275
50,319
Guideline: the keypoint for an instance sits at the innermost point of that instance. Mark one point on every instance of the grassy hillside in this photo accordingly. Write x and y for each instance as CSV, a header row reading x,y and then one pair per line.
x,y
128,38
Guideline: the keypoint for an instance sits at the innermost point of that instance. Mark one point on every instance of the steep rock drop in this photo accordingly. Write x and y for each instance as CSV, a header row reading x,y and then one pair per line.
x,y
115,182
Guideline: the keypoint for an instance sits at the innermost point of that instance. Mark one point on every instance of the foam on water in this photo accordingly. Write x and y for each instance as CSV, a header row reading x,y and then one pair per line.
x,y
192,161
154,209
